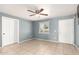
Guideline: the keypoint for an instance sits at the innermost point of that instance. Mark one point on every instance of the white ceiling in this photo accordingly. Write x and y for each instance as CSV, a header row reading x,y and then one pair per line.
x,y
53,10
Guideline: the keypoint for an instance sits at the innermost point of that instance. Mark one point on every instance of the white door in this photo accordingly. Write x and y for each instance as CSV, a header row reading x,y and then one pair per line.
x,y
7,31
66,31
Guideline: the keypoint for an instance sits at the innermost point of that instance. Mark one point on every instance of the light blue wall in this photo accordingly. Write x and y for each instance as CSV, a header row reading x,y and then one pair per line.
x,y
25,30
53,26
77,35
77,31
36,31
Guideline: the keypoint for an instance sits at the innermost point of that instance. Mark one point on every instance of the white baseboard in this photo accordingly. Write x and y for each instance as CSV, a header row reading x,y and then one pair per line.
x,y
50,40
9,44
24,41
18,42
76,47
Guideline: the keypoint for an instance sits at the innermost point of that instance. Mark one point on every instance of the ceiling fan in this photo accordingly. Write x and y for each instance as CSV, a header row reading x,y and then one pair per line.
x,y
37,12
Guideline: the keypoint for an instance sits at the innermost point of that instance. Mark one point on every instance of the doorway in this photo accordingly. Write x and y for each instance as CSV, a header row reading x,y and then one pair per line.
x,y
10,31
66,31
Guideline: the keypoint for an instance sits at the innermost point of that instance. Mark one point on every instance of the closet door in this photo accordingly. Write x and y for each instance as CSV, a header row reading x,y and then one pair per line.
x,y
7,31
66,31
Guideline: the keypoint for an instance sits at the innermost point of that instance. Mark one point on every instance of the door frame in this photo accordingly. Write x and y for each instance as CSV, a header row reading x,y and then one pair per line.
x,y
59,34
17,31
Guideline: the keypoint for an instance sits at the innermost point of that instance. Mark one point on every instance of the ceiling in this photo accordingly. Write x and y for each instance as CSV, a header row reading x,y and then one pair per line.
x,y
53,10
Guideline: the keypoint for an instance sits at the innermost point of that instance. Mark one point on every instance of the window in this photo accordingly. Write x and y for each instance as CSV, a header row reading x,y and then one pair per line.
x,y
44,27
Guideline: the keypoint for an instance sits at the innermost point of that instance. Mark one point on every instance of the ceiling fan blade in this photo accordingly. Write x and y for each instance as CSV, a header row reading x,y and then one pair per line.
x,y
32,15
31,11
44,14
41,10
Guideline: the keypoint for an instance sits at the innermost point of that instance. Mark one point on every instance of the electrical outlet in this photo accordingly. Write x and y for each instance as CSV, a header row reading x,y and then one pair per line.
x,y
54,30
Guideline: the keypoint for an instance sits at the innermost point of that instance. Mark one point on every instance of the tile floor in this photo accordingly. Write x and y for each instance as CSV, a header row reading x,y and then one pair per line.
x,y
39,47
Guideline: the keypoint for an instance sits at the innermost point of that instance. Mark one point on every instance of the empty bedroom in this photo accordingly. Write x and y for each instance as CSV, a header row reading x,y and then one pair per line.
x,y
39,29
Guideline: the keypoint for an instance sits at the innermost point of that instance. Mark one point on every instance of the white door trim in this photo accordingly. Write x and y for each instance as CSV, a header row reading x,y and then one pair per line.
x,y
17,30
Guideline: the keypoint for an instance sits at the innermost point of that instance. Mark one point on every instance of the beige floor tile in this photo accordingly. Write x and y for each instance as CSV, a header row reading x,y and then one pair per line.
x,y
39,47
